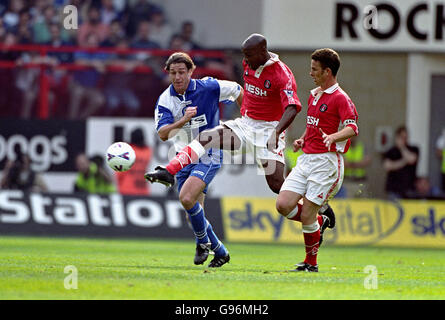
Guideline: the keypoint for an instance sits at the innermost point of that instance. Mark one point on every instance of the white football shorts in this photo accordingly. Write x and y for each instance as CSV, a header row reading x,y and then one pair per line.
x,y
254,135
317,176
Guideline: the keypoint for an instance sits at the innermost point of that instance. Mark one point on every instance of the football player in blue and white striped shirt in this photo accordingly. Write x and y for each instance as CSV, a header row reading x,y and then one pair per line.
x,y
186,108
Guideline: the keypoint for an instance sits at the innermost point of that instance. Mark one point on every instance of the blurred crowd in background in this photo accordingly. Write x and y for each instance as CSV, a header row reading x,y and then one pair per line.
x,y
125,79
399,164
141,23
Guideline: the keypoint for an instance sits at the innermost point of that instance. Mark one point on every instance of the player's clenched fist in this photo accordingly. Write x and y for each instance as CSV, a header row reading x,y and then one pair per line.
x,y
189,113
298,144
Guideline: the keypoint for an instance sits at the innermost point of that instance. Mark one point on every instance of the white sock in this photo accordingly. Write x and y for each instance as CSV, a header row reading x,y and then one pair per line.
x,y
293,213
310,228
198,148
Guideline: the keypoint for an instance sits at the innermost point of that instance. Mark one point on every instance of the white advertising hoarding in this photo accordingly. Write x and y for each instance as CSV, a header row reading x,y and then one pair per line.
x,y
407,25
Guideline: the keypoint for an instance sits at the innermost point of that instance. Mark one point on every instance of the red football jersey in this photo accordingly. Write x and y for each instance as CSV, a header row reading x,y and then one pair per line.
x,y
332,111
269,90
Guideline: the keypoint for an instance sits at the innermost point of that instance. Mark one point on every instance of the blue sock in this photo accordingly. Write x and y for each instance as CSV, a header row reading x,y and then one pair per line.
x,y
217,246
198,221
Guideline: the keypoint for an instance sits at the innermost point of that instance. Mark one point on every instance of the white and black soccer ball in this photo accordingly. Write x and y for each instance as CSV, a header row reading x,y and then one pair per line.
x,y
120,156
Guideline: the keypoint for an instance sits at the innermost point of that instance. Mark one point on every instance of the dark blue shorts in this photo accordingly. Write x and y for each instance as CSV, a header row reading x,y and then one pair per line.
x,y
204,171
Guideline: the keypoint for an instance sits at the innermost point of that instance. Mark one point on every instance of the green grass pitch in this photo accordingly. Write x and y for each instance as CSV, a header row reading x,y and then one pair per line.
x,y
33,268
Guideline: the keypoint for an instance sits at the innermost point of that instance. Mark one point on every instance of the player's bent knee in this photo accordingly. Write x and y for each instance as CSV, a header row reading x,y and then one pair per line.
x,y
283,210
187,200
282,206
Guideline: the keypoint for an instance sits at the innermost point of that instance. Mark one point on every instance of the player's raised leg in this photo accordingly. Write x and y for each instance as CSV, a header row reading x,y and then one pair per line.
x,y
289,204
274,171
289,201
220,137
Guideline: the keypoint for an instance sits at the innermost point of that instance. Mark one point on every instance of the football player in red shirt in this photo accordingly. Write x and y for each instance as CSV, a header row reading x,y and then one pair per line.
x,y
318,175
269,105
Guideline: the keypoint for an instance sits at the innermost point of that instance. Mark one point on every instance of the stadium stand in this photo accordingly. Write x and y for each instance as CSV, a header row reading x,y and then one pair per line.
x,y
42,63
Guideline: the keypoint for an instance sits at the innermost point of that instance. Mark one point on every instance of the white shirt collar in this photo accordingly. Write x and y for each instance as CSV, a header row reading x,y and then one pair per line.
x,y
329,90
273,58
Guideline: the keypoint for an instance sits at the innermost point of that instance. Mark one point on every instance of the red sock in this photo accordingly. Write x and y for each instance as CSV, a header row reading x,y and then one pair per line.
x,y
311,242
296,216
320,220
184,157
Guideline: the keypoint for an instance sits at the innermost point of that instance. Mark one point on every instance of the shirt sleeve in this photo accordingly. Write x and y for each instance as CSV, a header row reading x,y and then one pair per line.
x,y
348,113
391,154
288,91
163,117
229,90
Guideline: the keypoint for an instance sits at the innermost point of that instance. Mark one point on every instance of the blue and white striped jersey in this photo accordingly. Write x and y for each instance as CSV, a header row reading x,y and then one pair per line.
x,y
205,94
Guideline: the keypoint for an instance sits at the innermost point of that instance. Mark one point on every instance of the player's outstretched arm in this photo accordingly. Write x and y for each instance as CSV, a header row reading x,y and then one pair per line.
x,y
341,135
285,121
231,90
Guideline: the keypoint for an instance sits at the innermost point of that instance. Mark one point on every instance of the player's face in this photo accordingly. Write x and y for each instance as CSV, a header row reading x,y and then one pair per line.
x,y
402,139
82,163
317,73
180,76
253,57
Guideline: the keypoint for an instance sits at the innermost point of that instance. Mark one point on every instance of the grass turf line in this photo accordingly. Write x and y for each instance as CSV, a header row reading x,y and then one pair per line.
x,y
33,268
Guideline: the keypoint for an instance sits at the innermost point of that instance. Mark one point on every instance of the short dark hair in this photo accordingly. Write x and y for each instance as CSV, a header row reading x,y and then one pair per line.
x,y
401,129
180,57
328,58
188,22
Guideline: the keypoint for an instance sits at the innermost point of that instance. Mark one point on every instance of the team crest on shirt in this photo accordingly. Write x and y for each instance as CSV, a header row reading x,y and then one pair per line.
x,y
246,73
323,107
267,84
183,109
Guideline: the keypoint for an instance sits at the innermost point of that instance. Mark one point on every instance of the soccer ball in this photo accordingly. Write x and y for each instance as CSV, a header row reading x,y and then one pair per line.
x,y
120,156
